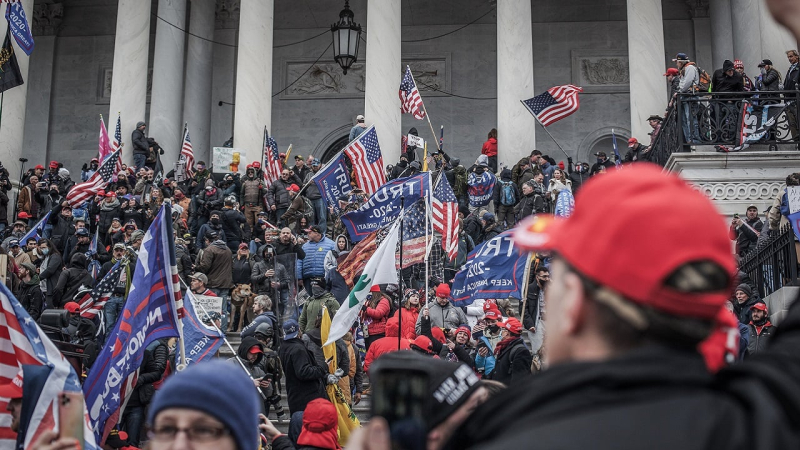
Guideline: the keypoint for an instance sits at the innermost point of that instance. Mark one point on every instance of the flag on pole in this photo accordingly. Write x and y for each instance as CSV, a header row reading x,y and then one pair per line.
x,y
273,166
410,100
93,302
187,151
94,264
445,216
347,418
10,75
415,234
380,269
99,180
19,27
22,342
617,159
37,231
103,141
151,312
116,144
554,104
365,154
201,341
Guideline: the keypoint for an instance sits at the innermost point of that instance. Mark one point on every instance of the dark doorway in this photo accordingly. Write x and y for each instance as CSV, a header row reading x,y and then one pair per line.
x,y
334,148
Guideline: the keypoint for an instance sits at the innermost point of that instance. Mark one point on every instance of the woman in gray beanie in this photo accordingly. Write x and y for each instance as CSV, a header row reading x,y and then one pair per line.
x,y
212,404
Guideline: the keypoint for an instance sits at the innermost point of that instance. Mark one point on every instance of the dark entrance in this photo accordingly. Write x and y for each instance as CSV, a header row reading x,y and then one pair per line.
x,y
334,148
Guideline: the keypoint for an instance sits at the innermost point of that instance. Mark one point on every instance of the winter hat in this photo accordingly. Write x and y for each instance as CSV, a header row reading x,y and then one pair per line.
x,y
235,402
561,165
438,334
375,288
63,173
512,325
409,292
744,287
482,160
423,344
320,425
443,290
738,64
465,329
138,234
449,384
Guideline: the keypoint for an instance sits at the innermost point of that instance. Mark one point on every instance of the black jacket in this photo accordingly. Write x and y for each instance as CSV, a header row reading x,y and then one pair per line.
x,y
30,297
513,364
305,380
71,279
721,82
653,397
792,81
231,224
140,145
531,305
742,311
152,369
757,342
771,80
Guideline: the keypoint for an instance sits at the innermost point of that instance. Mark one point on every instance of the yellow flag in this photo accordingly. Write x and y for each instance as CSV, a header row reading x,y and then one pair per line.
x,y
347,418
288,152
425,158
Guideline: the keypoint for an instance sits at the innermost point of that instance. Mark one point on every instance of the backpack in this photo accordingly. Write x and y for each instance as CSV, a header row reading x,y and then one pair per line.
x,y
703,80
507,195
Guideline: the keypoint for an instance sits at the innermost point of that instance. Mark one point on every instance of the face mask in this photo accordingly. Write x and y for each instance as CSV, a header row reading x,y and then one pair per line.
x,y
45,251
599,161
215,221
763,71
493,328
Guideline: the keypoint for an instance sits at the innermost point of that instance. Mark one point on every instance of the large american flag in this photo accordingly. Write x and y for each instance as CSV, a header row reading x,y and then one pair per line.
x,y
99,180
411,101
187,152
22,342
116,144
414,234
273,166
93,302
553,105
365,154
445,216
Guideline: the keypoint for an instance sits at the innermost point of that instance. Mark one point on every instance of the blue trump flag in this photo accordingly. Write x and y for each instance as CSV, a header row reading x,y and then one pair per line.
x,y
333,181
37,232
200,340
151,312
384,206
494,269
18,25
481,188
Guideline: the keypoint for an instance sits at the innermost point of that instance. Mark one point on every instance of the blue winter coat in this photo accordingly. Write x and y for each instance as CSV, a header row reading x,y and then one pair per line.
x,y
313,265
486,363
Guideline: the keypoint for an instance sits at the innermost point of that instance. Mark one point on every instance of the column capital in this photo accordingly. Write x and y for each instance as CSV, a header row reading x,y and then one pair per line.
x,y
227,14
47,18
698,8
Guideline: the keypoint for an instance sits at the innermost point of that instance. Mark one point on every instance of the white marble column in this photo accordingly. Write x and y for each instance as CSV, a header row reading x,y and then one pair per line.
x,y
197,94
721,32
516,128
775,40
646,63
253,110
12,128
703,52
166,100
129,82
747,34
384,72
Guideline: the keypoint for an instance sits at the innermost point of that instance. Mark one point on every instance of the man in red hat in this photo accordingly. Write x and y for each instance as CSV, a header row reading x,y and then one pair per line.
x,y
635,150
513,364
442,312
760,328
626,313
13,392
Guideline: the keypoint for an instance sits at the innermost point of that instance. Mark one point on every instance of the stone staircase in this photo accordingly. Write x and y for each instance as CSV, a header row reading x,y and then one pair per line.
x,y
362,410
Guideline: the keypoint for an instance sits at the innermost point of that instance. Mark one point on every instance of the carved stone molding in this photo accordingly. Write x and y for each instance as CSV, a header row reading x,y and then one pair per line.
x,y
600,71
326,80
104,85
740,191
698,8
227,14
47,18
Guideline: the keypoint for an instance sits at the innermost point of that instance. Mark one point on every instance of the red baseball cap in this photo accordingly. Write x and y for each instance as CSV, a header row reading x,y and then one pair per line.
x,y
293,188
39,167
493,314
23,215
672,71
53,164
111,194
72,307
255,349
512,324
12,389
760,306
633,140
423,342
256,165
634,244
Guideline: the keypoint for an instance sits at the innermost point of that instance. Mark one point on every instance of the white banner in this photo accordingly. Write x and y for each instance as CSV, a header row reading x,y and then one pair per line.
x,y
416,141
209,303
227,160
793,193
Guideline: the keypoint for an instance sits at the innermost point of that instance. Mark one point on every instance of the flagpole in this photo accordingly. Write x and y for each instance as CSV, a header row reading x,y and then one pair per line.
x,y
264,148
547,131
402,295
330,161
525,287
427,116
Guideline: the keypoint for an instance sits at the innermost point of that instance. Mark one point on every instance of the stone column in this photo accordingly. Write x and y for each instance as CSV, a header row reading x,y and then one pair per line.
x,y
384,72
721,32
224,73
12,127
516,128
702,34
197,94
129,82
166,101
45,25
253,110
646,63
775,40
747,35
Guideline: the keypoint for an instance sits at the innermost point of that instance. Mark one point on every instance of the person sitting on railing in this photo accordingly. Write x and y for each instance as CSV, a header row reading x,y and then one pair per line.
x,y
746,233
738,66
690,77
727,79
673,78
770,78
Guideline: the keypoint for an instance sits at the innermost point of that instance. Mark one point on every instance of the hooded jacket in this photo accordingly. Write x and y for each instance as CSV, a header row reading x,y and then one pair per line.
x,y
505,178
408,329
376,317
489,147
513,362
313,308
304,378
71,279
30,296
254,368
448,317
386,344
217,263
721,82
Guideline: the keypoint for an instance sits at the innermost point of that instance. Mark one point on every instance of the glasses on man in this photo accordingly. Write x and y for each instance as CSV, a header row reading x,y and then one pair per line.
x,y
198,433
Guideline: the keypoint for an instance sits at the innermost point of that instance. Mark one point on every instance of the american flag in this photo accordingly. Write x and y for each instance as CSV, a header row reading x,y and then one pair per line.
x,y
553,105
93,302
99,180
273,166
22,342
411,101
414,234
187,153
94,264
116,144
365,154
445,216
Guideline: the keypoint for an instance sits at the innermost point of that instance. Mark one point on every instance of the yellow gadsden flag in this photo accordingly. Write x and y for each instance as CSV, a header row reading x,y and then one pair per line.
x,y
347,418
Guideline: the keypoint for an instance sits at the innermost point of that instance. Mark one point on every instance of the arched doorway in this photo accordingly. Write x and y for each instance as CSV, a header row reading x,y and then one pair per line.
x,y
334,148
602,141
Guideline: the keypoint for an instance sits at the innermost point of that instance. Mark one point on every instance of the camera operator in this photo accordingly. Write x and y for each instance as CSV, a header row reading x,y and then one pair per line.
x,y
26,202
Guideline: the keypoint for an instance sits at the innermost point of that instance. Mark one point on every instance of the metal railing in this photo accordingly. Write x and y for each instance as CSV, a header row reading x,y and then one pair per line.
x,y
773,264
714,119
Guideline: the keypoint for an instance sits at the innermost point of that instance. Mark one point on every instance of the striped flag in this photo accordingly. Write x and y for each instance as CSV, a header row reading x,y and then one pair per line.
x,y
37,231
445,216
414,234
99,180
94,264
93,302
346,418
272,161
554,104
410,100
116,144
103,142
617,159
365,154
22,342
187,152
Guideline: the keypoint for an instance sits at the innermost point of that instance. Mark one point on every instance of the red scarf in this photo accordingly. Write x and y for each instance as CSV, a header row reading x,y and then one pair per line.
x,y
504,343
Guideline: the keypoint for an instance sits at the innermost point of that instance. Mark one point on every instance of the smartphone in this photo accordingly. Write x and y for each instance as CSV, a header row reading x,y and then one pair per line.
x,y
401,397
70,416
736,216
